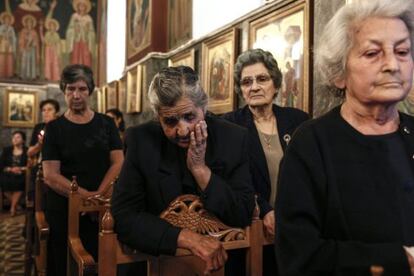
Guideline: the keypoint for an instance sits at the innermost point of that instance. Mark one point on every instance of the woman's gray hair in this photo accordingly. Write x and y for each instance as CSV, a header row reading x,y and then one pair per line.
x,y
174,83
254,56
338,36
76,72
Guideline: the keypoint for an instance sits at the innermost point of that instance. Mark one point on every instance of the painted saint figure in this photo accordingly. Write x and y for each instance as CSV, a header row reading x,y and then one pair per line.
x,y
7,45
52,50
219,81
28,48
26,7
80,34
290,93
51,46
140,26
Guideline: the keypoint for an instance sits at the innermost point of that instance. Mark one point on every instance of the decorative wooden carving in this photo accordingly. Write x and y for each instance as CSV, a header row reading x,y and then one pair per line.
x,y
187,211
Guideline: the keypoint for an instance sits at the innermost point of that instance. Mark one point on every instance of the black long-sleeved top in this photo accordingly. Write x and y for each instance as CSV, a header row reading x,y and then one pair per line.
x,y
341,206
287,120
154,173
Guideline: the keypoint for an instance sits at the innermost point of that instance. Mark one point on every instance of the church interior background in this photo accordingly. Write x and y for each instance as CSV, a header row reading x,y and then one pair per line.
x,y
127,42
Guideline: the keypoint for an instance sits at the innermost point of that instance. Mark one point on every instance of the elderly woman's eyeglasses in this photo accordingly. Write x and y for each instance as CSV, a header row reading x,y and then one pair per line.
x,y
260,80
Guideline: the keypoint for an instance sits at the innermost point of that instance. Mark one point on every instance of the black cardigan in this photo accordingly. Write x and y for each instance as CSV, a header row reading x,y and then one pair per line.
x,y
153,175
287,119
339,209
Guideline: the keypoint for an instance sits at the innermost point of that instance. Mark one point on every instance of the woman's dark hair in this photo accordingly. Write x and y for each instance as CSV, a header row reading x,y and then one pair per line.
x,y
118,114
51,102
76,72
21,134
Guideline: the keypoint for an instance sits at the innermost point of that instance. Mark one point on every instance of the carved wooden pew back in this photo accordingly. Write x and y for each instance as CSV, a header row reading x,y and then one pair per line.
x,y
186,212
77,254
41,226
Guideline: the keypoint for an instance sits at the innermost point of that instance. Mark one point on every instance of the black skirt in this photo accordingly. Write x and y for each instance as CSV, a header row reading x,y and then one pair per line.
x,y
12,182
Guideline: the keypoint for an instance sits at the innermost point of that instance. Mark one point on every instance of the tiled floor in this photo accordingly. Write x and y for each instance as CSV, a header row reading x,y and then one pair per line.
x,y
11,244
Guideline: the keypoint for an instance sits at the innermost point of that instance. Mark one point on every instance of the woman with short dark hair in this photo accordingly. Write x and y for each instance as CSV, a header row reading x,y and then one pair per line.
x,y
118,118
49,109
13,162
79,143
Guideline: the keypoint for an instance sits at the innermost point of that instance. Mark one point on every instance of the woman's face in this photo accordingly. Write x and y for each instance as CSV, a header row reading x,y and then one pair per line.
x,y
179,121
17,139
256,85
77,96
48,113
379,67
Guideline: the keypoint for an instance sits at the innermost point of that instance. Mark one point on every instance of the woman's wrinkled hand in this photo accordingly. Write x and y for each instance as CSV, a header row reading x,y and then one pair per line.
x,y
210,250
198,145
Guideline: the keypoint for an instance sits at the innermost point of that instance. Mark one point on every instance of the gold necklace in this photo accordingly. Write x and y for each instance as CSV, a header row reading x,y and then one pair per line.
x,y
267,138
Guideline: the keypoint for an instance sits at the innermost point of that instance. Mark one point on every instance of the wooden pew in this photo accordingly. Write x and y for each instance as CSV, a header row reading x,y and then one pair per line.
x,y
77,254
112,252
41,226
29,221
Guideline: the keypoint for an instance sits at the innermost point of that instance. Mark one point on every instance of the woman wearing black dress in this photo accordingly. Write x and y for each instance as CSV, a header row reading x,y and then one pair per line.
x,y
12,166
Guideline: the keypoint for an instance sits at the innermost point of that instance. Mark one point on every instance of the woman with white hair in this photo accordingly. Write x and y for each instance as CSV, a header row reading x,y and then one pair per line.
x,y
346,188
184,151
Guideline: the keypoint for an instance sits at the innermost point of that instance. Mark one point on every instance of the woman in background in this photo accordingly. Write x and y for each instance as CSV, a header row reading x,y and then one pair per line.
x,y
50,109
258,78
12,166
118,117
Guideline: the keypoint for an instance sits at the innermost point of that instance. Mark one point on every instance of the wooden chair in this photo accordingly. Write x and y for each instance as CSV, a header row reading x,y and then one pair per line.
x,y
77,254
41,228
1,198
376,270
183,212
29,223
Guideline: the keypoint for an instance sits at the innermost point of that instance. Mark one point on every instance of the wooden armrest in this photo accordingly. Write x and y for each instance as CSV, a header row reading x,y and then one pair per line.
x,y
80,255
42,225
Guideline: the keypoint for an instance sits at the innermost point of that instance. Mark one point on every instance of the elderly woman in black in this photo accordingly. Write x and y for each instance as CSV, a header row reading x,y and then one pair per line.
x,y
12,166
345,200
79,143
258,78
185,151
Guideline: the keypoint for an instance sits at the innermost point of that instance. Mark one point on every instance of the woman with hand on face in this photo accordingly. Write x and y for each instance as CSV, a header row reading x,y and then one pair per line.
x,y
258,78
345,200
13,162
187,151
